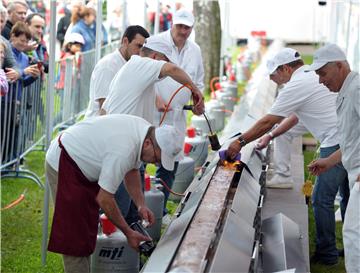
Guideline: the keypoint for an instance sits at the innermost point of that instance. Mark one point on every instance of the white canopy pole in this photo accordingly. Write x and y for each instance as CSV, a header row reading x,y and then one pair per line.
x,y
99,34
124,17
157,18
145,14
224,33
49,121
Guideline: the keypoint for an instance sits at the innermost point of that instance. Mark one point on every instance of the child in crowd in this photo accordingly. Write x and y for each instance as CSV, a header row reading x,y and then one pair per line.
x,y
72,45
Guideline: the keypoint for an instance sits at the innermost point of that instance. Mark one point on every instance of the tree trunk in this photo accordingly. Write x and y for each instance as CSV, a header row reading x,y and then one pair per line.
x,y
208,36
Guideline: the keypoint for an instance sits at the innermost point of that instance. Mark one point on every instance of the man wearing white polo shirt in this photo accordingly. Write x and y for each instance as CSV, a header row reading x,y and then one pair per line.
x,y
187,55
334,72
106,69
85,166
132,89
132,92
314,106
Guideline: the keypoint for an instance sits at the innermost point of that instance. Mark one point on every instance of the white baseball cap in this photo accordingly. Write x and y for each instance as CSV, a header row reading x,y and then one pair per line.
x,y
326,54
159,44
284,56
183,17
170,142
75,38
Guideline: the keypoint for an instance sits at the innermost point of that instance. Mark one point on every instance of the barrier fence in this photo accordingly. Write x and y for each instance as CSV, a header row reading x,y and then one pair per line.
x,y
23,110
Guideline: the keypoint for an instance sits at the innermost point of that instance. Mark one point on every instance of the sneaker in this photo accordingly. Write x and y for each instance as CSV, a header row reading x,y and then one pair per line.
x,y
280,182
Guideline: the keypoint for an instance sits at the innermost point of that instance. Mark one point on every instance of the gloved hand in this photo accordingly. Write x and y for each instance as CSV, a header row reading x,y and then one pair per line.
x,y
223,156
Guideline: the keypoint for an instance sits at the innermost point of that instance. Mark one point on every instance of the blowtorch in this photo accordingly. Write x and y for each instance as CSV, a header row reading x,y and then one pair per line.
x,y
213,138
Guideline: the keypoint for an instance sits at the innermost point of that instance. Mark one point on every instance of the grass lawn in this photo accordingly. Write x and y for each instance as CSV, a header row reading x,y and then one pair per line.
x,y
21,226
317,268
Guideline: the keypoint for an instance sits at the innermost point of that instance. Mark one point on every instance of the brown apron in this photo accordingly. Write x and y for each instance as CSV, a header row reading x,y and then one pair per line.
x,y
75,222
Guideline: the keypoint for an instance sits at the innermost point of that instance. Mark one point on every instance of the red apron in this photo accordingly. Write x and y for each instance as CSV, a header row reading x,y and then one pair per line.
x,y
75,223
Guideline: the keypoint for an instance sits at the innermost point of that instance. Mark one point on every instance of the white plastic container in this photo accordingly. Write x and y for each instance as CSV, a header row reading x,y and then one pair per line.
x,y
199,122
154,200
232,88
183,177
113,254
216,110
199,147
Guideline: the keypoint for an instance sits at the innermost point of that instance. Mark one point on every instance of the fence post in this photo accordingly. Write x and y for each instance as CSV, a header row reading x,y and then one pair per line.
x,y
49,123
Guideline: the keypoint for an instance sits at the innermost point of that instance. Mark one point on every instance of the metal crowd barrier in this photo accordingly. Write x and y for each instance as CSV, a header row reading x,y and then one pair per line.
x,y
72,84
23,125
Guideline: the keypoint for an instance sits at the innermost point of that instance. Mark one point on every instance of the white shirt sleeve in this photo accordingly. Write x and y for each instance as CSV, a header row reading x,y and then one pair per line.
x,y
356,98
199,80
151,69
194,67
288,101
101,83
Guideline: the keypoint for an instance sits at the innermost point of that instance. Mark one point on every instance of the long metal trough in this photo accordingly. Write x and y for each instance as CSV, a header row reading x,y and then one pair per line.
x,y
219,225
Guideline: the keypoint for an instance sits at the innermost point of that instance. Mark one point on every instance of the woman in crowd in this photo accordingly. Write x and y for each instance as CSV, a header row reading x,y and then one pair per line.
x,y
86,26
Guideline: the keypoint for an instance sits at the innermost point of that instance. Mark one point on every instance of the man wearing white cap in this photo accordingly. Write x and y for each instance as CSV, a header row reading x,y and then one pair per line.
x,y
334,72
314,106
85,166
132,89
132,92
187,55
106,69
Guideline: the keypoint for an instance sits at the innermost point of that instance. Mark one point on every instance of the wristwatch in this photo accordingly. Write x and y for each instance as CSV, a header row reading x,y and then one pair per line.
x,y
241,141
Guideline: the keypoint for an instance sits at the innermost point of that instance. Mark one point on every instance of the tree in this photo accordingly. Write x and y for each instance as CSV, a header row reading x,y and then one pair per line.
x,y
208,36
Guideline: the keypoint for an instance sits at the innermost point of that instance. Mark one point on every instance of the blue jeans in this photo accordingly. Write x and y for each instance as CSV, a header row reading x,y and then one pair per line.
x,y
124,202
325,190
168,177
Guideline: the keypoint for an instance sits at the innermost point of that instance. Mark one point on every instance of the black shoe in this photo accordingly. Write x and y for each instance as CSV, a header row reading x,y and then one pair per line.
x,y
341,252
316,259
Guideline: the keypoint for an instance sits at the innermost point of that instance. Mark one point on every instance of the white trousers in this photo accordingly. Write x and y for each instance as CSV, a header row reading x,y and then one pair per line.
x,y
351,231
282,149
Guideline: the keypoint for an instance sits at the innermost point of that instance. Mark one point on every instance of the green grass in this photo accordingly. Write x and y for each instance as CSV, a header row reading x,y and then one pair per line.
x,y
317,268
308,59
21,226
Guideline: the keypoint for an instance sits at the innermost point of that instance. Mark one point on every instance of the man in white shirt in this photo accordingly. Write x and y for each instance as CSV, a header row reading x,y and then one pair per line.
x,y
314,106
334,72
85,166
106,69
132,92
132,89
187,55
